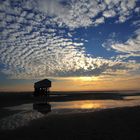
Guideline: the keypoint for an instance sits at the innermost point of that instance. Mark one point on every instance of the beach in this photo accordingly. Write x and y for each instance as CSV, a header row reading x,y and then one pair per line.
x,y
110,124
120,123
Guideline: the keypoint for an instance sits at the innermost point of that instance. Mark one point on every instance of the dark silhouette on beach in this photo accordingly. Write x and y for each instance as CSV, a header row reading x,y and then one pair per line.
x,y
41,88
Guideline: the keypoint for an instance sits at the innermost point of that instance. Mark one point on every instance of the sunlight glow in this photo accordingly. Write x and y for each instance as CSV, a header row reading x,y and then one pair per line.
x,y
87,78
90,106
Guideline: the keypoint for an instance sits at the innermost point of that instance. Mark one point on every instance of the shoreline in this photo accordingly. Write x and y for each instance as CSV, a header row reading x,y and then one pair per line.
x,y
8,99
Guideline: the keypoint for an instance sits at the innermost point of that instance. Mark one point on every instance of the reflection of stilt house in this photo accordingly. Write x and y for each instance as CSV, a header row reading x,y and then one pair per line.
x,y
41,88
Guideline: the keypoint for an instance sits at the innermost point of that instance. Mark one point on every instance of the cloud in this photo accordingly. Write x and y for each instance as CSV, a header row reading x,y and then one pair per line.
x,y
131,46
99,21
75,14
137,10
126,53
109,13
53,7
136,23
34,42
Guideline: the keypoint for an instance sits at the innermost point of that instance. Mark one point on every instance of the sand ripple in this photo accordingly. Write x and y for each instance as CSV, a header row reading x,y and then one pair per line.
x,y
19,119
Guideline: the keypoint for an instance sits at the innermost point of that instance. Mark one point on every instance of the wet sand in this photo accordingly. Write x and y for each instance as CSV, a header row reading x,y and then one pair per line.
x,y
109,124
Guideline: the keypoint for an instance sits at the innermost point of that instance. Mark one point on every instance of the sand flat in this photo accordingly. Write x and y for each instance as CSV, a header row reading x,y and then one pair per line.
x,y
116,124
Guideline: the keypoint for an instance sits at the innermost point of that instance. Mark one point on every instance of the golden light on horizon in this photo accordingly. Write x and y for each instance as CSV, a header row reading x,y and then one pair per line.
x,y
82,84
81,78
88,78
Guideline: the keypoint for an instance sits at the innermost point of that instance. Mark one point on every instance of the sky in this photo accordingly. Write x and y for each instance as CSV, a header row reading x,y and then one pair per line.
x,y
78,44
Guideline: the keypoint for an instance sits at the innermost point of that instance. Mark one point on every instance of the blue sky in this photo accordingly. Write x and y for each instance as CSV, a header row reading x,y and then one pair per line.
x,y
64,39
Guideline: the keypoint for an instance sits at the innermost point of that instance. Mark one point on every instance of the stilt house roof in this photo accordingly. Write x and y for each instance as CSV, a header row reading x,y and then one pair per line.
x,y
43,84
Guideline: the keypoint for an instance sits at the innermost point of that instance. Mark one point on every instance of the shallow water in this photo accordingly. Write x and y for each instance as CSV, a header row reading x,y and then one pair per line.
x,y
84,104
26,113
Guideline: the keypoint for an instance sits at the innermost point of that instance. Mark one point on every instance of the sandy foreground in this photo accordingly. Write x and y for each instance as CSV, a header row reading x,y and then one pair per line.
x,y
109,124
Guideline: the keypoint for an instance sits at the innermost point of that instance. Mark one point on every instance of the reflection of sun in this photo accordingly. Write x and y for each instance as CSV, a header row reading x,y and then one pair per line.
x,y
90,106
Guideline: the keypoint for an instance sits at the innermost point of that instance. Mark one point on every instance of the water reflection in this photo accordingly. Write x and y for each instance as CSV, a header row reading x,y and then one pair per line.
x,y
97,104
83,104
28,112
89,105
42,107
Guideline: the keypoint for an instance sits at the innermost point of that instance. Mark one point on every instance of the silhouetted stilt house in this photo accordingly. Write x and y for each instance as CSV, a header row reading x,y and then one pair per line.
x,y
41,88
